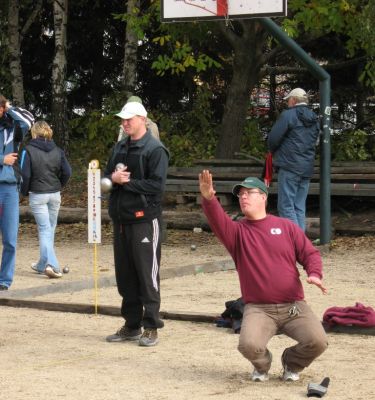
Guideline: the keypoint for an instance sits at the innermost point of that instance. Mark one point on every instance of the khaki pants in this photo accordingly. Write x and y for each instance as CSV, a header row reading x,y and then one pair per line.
x,y
263,321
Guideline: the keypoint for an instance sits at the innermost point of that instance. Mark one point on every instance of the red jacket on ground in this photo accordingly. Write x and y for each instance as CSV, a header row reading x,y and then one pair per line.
x,y
359,315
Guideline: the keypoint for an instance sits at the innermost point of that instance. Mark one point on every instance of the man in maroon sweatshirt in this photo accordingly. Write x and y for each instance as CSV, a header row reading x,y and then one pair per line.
x,y
265,250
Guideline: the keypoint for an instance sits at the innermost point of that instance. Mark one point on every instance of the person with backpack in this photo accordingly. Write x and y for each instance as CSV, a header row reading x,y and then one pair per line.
x,y
14,124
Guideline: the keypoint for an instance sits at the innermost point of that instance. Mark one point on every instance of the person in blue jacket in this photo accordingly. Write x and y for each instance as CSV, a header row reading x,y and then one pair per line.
x,y
292,142
45,171
14,124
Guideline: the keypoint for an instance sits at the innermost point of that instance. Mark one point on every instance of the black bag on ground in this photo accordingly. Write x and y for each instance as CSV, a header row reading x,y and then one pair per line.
x,y
233,314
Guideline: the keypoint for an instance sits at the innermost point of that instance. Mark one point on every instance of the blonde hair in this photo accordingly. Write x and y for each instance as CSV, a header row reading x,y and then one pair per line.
x,y
41,129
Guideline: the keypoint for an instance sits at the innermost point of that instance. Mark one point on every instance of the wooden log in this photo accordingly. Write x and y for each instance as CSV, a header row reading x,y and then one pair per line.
x,y
188,316
102,310
62,307
67,215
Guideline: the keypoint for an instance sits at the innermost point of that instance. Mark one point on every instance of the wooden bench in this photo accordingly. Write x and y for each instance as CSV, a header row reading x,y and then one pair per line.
x,y
347,178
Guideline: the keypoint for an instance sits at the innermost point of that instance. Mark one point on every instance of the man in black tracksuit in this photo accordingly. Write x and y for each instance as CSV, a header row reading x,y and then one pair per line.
x,y
135,209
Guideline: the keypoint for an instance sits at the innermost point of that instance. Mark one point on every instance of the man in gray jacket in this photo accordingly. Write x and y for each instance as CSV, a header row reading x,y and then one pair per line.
x,y
292,142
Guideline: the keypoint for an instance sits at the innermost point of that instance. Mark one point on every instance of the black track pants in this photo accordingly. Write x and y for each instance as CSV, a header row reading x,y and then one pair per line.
x,y
137,250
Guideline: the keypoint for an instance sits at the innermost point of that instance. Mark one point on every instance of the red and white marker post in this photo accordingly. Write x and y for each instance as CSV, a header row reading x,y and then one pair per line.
x,y
94,217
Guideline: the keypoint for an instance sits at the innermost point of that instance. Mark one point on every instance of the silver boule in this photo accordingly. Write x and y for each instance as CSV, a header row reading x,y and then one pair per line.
x,y
193,247
105,185
120,166
66,270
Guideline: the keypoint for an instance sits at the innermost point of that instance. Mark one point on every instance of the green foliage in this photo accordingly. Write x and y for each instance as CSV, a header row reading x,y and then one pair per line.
x,y
350,146
93,136
181,58
190,135
253,143
177,54
138,21
353,19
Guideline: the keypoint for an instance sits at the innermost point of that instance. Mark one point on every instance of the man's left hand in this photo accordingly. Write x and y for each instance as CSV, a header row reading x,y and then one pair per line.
x,y
314,280
121,177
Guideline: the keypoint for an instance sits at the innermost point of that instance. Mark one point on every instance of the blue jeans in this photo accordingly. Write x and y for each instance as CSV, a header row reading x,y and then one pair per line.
x,y
292,192
9,215
45,208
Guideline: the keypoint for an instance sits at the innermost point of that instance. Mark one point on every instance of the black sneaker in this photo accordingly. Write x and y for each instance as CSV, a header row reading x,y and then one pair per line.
x,y
149,338
3,287
123,334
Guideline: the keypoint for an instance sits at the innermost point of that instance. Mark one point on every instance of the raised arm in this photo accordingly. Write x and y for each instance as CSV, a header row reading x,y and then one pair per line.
x,y
221,224
205,185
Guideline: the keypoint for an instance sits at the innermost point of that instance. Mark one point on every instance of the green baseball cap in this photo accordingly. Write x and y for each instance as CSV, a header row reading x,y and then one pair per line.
x,y
250,183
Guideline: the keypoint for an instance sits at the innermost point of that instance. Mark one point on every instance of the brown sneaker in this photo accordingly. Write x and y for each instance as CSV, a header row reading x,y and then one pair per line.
x,y
149,338
123,334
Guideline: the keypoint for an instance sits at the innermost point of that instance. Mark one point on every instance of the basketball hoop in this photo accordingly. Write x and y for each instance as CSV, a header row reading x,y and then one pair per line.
x,y
194,10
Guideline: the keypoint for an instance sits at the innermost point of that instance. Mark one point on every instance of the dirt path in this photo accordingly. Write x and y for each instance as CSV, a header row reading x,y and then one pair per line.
x,y
48,355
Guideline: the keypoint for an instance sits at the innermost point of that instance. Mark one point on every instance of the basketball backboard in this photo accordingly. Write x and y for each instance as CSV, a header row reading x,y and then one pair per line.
x,y
192,10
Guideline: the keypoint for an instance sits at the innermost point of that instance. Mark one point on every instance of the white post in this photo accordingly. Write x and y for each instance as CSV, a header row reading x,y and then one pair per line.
x,y
94,217
94,202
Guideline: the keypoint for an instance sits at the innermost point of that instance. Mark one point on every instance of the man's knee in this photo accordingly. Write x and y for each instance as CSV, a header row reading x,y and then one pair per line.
x,y
317,346
249,349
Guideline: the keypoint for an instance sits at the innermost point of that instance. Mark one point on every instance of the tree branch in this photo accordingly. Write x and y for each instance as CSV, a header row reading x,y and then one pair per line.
x,y
31,18
328,67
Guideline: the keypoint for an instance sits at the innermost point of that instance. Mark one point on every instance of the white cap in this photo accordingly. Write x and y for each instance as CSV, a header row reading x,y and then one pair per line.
x,y
132,109
298,92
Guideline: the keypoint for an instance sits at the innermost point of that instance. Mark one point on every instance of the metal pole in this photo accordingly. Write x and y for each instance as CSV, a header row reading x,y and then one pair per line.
x,y
325,163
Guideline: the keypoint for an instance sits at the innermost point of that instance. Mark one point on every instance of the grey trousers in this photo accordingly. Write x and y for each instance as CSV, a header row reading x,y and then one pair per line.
x,y
263,321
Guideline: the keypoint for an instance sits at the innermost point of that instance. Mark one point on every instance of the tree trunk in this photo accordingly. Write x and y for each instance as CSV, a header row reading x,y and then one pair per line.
x,y
247,61
96,89
130,51
59,100
14,46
